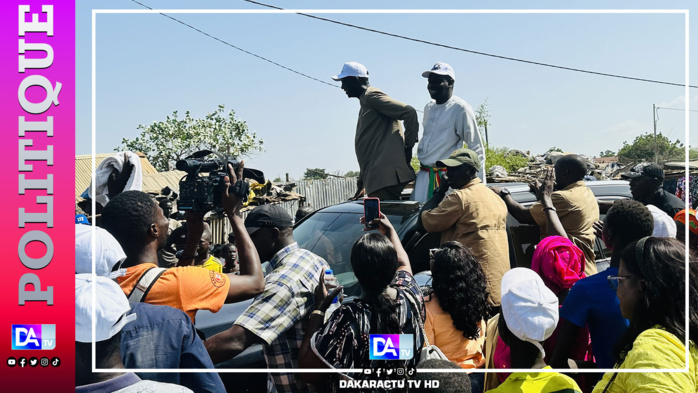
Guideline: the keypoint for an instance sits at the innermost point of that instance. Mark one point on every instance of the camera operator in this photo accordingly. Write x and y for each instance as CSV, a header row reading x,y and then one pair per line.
x,y
140,226
166,255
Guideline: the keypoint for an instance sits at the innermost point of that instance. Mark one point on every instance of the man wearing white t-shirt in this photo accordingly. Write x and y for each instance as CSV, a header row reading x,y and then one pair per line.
x,y
449,123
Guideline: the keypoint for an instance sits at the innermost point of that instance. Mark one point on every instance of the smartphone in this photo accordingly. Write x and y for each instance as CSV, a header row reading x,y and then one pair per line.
x,y
372,210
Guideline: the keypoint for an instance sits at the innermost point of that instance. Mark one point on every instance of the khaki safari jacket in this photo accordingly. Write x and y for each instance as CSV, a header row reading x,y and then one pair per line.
x,y
380,143
476,217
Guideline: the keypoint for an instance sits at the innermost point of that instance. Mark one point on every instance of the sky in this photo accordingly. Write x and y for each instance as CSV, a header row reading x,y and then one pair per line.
x,y
148,66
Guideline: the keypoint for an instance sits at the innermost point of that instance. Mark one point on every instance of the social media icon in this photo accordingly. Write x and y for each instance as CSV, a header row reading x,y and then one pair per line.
x,y
33,361
55,362
23,362
410,371
44,362
379,371
389,371
11,362
400,371
367,371
33,337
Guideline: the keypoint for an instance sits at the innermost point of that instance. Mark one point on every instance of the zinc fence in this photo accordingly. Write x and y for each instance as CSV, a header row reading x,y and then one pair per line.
x,y
326,192
317,193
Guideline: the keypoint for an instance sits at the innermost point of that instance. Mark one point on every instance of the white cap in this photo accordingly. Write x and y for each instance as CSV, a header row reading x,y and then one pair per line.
x,y
664,225
440,69
530,309
352,68
110,307
107,248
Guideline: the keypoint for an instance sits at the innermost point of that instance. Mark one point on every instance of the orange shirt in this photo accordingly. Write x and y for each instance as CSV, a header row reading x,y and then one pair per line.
x,y
188,288
441,332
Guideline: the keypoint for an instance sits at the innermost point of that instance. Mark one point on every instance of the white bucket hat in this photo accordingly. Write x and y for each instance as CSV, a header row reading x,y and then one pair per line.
x,y
111,305
107,249
352,68
530,309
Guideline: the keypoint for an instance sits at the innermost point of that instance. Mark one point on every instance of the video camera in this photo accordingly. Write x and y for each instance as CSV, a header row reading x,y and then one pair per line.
x,y
203,193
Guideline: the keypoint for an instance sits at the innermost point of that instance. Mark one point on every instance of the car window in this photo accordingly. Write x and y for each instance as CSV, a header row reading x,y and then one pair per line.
x,y
331,236
525,237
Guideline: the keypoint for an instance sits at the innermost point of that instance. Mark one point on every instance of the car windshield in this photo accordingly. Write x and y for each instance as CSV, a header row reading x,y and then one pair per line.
x,y
331,235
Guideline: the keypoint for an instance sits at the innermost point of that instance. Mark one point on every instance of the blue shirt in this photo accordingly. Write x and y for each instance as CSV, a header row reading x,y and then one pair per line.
x,y
592,301
164,337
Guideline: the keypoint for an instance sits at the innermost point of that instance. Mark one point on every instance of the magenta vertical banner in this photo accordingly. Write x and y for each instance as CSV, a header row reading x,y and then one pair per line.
x,y
37,114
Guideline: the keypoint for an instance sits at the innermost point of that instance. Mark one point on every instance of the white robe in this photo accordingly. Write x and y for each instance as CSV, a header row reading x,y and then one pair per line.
x,y
447,127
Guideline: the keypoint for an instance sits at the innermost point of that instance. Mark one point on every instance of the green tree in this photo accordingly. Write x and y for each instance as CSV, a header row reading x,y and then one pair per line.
x,y
414,163
277,179
692,153
315,173
482,114
554,148
352,174
165,142
642,149
482,117
607,153
499,156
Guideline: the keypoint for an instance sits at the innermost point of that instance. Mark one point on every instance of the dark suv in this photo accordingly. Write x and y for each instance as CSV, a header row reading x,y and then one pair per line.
x,y
330,232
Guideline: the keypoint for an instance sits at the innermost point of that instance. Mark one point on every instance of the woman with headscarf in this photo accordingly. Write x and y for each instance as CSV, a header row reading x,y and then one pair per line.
x,y
560,263
651,287
390,303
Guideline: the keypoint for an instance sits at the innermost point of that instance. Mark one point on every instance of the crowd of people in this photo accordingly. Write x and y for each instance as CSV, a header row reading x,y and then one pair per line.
x,y
560,312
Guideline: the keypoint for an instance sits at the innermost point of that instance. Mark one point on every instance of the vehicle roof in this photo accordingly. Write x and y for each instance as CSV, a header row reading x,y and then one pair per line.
x,y
389,207
600,188
598,185
520,192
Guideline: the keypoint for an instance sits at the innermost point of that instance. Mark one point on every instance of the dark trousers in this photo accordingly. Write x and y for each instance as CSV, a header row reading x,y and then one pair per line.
x,y
391,193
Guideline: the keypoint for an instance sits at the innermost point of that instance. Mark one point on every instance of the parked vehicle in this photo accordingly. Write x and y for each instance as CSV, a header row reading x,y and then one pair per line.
x,y
330,232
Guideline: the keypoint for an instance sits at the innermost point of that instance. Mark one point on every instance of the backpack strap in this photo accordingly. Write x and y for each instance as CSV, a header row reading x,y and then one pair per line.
x,y
145,283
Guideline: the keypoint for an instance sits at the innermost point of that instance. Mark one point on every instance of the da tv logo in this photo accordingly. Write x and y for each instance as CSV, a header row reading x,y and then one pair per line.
x,y
391,346
34,337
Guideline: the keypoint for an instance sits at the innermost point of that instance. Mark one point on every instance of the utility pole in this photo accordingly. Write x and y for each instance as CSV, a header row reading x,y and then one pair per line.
x,y
654,120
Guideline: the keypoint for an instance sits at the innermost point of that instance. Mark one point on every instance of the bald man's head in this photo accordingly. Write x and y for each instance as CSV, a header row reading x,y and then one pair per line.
x,y
569,169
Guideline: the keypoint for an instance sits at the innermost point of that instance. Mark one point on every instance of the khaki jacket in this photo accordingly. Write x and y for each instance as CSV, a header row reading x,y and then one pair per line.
x,y
380,143
477,218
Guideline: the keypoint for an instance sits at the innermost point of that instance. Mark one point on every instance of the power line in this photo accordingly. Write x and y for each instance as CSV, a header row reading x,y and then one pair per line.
x,y
676,109
473,51
236,47
242,50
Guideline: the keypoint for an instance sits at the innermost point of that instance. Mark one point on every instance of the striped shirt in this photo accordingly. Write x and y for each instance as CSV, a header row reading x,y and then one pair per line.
x,y
277,315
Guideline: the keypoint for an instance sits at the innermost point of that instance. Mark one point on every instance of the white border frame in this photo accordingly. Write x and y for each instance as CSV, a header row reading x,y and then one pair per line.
x,y
685,12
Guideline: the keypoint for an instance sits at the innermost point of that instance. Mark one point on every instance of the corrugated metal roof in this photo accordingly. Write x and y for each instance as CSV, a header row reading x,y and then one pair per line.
x,y
83,170
681,165
154,182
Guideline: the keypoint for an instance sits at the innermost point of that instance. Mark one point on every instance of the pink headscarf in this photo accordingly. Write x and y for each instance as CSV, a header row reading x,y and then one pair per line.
x,y
559,262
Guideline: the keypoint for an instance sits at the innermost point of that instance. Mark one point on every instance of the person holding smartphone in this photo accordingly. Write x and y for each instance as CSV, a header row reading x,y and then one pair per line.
x,y
473,215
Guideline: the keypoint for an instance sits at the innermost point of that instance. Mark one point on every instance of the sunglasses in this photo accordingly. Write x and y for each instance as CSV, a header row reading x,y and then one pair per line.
x,y
614,281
